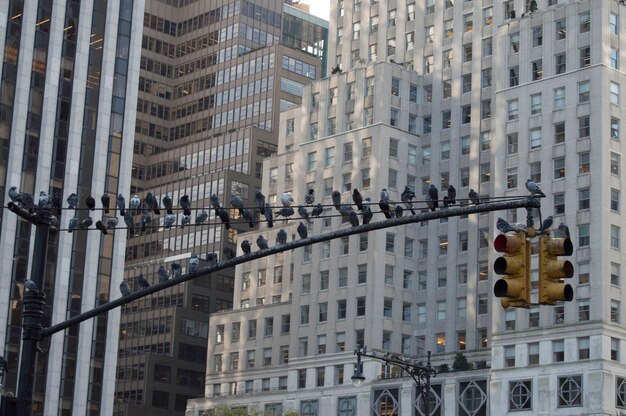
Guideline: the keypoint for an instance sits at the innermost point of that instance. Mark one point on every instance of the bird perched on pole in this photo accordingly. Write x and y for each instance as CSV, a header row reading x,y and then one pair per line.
x,y
121,204
304,214
451,195
285,212
281,237
503,226
317,210
533,188
302,230
383,204
407,197
309,198
146,220
185,221
229,253
134,204
564,230
269,215
237,203
44,201
112,222
246,247
367,211
130,223
177,270
100,226
163,274
25,200
336,198
202,217
473,196
153,203
86,223
247,215
286,199
546,224
142,282
358,199
124,288
106,202
260,201
72,201
433,193
215,203
262,242
224,217
168,204
72,225
91,203
169,220
185,204
211,259
194,261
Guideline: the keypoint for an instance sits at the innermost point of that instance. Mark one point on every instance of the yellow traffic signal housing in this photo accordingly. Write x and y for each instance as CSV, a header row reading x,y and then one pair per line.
x,y
552,271
514,287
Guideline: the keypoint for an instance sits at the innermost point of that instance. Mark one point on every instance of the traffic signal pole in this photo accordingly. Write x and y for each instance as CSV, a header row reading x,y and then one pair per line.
x,y
31,321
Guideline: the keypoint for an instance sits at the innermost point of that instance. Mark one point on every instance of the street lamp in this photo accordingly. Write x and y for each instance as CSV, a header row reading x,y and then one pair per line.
x,y
420,374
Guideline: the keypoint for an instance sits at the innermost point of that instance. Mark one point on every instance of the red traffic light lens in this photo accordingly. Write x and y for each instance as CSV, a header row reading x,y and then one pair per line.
x,y
501,243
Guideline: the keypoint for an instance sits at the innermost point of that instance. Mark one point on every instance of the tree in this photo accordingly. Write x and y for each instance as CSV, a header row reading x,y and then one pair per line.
x,y
532,6
460,362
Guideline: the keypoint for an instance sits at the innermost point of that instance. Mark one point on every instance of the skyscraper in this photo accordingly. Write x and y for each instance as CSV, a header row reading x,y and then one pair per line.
x,y
480,95
214,77
69,73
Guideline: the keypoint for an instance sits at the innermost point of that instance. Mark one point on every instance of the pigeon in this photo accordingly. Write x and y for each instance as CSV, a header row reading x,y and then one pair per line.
x,y
533,188
130,223
503,226
211,259
317,210
112,222
169,220
193,264
399,211
153,203
91,203
185,204
72,201
269,215
30,285
184,221
407,196
142,282
134,204
106,202
100,226
353,218
429,202
215,203
57,204
124,288
367,214
24,199
446,201
167,203
237,203
357,198
224,217
285,212
145,221
73,224
86,223
44,200
286,199
564,230
309,198
202,217
260,201
248,216
121,204
177,271
304,214
473,196
229,253
14,194
245,246
281,237
383,204
163,274
452,194
546,224
433,193
384,195
261,242
345,210
302,230
336,197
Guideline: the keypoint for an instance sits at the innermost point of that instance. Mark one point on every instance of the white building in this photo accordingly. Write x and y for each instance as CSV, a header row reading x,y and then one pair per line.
x,y
68,84
496,97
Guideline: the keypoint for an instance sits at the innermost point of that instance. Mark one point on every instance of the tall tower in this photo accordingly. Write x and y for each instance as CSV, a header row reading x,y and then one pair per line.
x,y
214,77
480,95
69,73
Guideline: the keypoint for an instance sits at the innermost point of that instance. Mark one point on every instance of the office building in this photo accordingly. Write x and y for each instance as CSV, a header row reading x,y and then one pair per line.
x,y
480,95
214,77
69,75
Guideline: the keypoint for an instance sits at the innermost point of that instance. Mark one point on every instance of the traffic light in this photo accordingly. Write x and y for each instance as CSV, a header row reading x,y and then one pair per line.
x,y
552,271
514,287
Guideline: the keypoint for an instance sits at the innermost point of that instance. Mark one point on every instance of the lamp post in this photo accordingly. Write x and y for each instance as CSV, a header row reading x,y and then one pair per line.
x,y
420,373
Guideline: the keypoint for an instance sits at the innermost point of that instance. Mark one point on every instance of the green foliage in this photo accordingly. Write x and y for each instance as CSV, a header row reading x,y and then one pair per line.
x,y
460,363
532,6
224,410
443,368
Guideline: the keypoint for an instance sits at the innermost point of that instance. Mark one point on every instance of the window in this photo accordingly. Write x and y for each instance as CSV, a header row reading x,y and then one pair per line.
x,y
570,391
615,274
467,52
446,119
322,315
306,283
445,150
329,156
362,273
511,178
583,348
410,12
391,46
360,306
488,16
559,132
585,22
340,341
421,313
615,164
486,78
485,172
535,104
614,24
583,127
514,43
391,18
412,123
366,148
615,236
614,97
395,87
583,92
304,315
583,235
465,145
373,24
285,324
560,64
462,271
614,128
252,329
321,344
468,22
309,407
464,174
448,28
310,161
483,304
584,162
487,46
427,127
509,356
559,204
413,93
583,198
441,343
388,308
614,58
394,117
511,143
558,351
535,138
583,309
466,114
461,307
535,172
422,281
442,277
429,63
537,69
447,58
520,395
389,275
537,36
559,98
407,279
559,168
584,56
409,39
533,317
513,76
615,349
560,29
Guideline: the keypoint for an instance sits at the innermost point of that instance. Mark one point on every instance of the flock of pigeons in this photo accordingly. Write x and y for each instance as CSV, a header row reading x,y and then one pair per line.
x,y
249,214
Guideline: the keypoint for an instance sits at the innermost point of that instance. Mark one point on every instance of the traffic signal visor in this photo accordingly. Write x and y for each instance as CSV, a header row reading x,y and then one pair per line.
x,y
515,266
552,271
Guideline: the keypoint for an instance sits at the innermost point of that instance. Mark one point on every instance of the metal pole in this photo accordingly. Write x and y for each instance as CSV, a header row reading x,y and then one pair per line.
x,y
426,397
33,308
